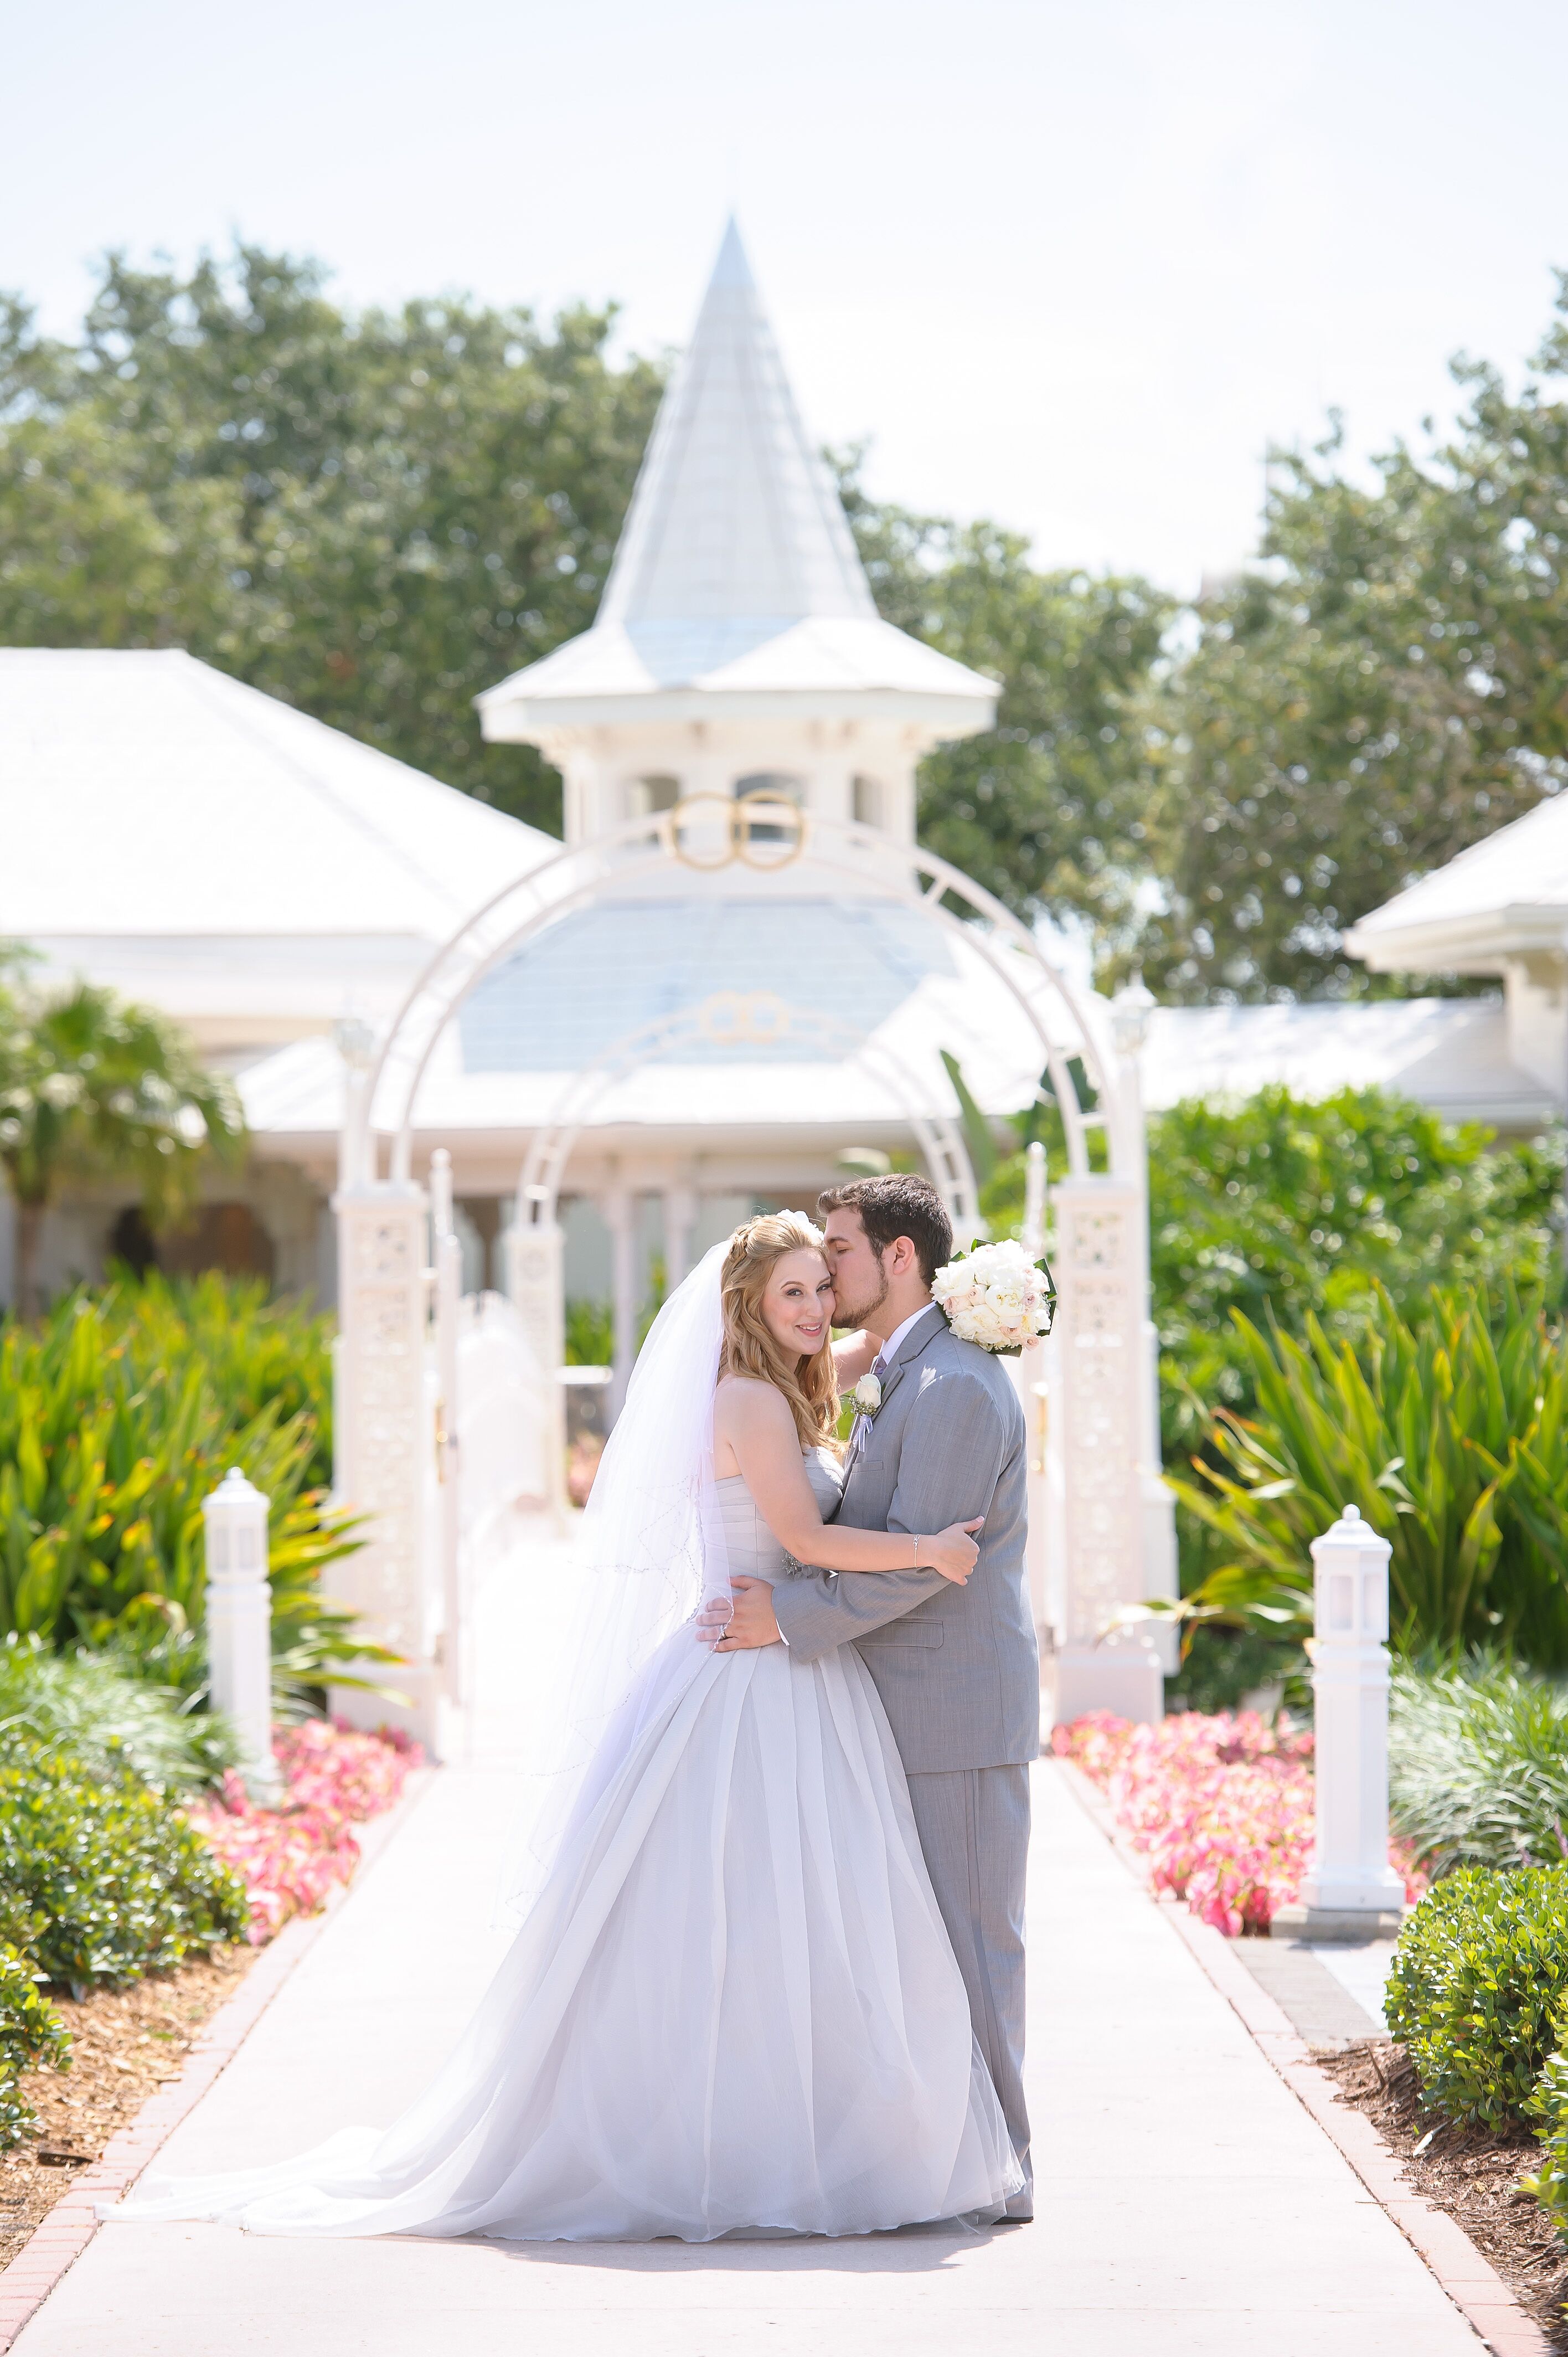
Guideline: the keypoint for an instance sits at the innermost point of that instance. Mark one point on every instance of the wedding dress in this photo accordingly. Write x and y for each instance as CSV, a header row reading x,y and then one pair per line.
x,y
731,2006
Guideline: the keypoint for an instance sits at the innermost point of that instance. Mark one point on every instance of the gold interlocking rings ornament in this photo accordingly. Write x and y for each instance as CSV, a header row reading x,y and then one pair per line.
x,y
731,827
756,1019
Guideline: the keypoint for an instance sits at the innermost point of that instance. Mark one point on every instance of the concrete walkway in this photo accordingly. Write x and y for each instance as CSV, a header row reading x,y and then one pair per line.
x,y
1187,2203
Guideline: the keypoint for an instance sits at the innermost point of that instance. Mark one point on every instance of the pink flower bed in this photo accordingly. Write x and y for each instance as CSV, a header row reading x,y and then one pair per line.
x,y
290,1858
1222,1806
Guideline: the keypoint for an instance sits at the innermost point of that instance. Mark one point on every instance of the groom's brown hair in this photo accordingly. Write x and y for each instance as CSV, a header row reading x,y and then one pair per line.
x,y
898,1205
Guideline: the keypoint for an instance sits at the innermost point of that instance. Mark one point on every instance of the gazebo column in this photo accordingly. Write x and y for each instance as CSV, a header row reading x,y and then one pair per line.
x,y
680,1221
1130,1011
1031,1373
1097,1414
382,1440
534,1247
618,1208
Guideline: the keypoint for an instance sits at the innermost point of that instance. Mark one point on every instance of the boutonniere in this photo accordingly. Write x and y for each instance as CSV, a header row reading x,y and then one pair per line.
x,y
867,1396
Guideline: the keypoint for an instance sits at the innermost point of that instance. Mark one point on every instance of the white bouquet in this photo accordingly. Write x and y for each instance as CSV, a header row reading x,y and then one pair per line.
x,y
996,1296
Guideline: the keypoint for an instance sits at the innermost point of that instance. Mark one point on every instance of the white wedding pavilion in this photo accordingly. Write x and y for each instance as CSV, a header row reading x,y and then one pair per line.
x,y
602,1053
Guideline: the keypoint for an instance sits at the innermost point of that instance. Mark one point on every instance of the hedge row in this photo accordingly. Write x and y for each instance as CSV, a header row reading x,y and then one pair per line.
x,y
1478,1996
101,1881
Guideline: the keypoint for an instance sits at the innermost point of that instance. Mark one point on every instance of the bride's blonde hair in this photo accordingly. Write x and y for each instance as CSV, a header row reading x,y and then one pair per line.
x,y
809,1384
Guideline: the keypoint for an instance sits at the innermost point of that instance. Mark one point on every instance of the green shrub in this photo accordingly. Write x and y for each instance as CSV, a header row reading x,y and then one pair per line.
x,y
1449,1431
31,2032
1475,1991
103,1879
108,1718
117,1415
1478,1764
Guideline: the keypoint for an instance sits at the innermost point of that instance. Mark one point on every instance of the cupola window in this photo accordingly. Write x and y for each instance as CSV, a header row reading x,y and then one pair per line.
x,y
645,797
867,803
769,786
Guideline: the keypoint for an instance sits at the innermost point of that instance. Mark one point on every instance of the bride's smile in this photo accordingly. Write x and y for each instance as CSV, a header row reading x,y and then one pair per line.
x,y
798,1303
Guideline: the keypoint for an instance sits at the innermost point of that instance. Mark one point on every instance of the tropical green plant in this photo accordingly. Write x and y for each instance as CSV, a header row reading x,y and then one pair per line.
x,y
1476,1989
112,1430
31,2035
93,1087
257,1352
1278,1205
109,1718
590,1333
1478,1763
103,1880
1448,1431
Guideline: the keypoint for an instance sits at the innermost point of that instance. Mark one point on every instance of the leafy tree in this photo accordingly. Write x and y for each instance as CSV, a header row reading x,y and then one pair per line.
x,y
1385,690
93,1087
1048,810
373,516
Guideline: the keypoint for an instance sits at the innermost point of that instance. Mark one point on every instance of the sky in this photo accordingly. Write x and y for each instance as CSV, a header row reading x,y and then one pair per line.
x,y
1072,266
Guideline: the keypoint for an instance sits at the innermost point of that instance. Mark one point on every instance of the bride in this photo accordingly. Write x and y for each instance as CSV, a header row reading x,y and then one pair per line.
x,y
731,2004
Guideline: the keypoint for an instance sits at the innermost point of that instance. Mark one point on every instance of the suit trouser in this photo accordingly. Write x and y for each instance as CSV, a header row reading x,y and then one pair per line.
x,y
974,1825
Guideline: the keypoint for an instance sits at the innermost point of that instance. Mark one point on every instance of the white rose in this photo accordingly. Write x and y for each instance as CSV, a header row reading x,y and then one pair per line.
x,y
867,1396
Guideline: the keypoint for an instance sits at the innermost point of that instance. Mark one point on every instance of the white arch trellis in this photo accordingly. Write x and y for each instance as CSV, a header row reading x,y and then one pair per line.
x,y
535,1243
750,1018
1107,1516
643,847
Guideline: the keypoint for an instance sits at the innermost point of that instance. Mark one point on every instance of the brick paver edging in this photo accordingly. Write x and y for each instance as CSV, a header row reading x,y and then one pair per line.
x,y
1470,2281
71,2225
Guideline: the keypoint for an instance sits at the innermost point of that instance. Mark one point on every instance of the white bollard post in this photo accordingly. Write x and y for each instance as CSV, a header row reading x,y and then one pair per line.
x,y
1350,1891
239,1625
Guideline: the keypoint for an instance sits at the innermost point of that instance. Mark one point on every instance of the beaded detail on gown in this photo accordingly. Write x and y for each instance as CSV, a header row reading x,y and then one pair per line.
x,y
733,2008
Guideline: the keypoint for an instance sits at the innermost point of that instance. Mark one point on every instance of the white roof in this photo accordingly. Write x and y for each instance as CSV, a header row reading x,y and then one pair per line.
x,y
146,793
1450,1054
734,512
507,1062
1504,895
737,572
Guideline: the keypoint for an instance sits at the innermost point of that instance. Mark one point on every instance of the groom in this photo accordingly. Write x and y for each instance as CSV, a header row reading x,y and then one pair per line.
x,y
957,1668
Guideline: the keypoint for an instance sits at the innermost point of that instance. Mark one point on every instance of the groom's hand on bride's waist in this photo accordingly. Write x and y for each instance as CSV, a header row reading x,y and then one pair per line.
x,y
750,1623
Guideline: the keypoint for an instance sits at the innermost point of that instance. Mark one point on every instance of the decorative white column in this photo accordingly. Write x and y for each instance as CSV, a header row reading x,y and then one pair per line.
x,y
239,1611
620,1208
1350,1891
446,1254
680,1221
384,1442
1130,1011
535,1246
1096,1406
1031,1375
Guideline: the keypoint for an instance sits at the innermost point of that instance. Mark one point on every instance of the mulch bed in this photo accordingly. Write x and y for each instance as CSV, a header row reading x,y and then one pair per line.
x,y
125,2044
1470,2174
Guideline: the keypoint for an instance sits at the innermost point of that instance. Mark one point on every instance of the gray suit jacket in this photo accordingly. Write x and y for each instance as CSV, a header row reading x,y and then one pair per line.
x,y
957,1668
